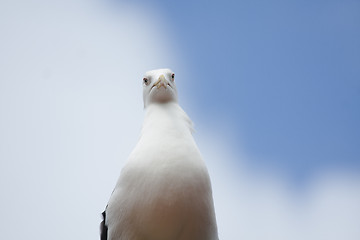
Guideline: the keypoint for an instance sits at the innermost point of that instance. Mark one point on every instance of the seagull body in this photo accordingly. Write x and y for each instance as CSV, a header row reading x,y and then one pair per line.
x,y
164,190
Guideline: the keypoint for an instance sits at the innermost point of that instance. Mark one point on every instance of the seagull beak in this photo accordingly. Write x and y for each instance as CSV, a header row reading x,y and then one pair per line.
x,y
161,82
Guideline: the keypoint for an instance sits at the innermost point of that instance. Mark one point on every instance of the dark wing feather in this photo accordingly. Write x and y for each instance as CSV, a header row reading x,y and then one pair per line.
x,y
103,227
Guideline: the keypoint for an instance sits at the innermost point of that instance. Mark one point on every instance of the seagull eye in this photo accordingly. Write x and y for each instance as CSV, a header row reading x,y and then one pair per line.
x,y
173,76
146,81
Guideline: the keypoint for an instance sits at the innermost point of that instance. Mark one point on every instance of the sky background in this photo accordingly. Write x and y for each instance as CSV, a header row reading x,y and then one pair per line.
x,y
272,87
284,73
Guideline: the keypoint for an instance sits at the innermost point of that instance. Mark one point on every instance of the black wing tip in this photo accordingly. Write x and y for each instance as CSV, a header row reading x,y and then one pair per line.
x,y
103,228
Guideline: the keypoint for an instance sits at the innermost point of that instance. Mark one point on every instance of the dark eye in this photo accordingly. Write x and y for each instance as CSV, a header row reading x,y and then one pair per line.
x,y
146,81
173,76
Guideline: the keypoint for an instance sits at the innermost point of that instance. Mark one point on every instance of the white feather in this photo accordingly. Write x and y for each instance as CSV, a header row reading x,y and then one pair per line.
x,y
164,190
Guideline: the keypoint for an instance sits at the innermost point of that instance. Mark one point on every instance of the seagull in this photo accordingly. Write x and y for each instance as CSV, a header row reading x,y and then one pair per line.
x,y
164,190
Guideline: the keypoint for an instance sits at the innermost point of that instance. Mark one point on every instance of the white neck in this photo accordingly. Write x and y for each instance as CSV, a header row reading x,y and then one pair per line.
x,y
168,118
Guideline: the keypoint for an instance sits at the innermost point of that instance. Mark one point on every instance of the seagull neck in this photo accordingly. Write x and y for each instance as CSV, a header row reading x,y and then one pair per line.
x,y
166,117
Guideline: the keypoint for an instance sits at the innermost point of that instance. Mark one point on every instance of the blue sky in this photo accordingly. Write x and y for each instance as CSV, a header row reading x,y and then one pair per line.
x,y
286,74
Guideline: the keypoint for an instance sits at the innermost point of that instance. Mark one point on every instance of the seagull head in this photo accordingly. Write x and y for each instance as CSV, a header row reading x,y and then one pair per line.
x,y
159,87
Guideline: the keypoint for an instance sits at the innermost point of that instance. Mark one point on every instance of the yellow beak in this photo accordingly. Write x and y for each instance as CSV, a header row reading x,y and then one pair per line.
x,y
161,82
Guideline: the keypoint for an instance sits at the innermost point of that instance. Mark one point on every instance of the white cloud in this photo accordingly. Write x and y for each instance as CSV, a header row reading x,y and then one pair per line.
x,y
253,206
71,109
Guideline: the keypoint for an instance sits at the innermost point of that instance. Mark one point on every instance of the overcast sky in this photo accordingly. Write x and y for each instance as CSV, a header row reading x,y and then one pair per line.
x,y
272,87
